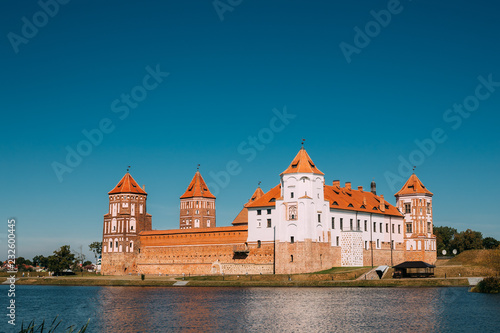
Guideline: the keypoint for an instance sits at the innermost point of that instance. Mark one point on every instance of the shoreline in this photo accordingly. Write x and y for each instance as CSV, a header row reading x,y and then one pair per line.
x,y
243,282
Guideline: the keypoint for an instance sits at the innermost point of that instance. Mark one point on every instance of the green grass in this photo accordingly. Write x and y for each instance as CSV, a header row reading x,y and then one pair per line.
x,y
93,282
335,270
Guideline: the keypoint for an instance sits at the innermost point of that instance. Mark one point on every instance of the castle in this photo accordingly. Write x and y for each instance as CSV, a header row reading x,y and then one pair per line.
x,y
301,225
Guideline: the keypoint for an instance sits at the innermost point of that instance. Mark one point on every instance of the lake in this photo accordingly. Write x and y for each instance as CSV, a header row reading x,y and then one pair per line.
x,y
186,309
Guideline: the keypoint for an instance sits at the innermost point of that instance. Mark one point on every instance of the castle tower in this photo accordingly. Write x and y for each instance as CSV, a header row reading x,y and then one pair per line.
x,y
197,205
414,201
126,218
303,207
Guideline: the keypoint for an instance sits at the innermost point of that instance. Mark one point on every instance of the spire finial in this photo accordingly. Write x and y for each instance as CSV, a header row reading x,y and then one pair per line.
x,y
198,167
128,168
302,143
414,167
259,183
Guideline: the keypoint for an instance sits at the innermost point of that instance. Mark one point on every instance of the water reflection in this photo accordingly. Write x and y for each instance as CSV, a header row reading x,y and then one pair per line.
x,y
150,309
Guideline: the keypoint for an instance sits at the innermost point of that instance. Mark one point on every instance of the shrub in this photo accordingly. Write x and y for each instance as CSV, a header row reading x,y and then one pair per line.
x,y
490,285
142,277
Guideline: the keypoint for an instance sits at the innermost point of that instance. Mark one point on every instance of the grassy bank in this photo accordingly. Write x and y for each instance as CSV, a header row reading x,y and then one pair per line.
x,y
299,280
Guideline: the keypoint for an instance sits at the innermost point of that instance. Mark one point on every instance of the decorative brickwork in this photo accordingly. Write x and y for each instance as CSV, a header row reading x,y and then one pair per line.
x,y
352,248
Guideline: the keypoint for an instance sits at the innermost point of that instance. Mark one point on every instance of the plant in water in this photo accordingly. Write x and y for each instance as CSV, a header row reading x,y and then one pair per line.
x,y
32,327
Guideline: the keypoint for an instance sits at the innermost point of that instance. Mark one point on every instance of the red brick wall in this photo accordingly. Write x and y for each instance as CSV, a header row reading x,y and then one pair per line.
x,y
308,256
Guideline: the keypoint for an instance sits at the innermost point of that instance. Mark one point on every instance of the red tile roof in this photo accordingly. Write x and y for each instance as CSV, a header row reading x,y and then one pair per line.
x,y
302,163
127,185
197,188
339,198
413,186
268,199
358,200
242,217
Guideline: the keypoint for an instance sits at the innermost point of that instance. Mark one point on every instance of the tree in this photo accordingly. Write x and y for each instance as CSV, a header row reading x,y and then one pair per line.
x,y
467,240
79,259
40,261
444,236
96,247
490,243
61,259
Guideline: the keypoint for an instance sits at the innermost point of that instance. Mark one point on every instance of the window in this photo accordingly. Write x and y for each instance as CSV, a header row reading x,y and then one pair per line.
x,y
197,211
268,211
408,228
208,223
258,244
116,244
130,245
291,195
292,239
428,208
387,227
259,212
374,226
399,228
292,212
358,226
333,222
366,225
366,245
269,223
350,225
428,227
381,228
393,228
337,240
407,208
378,244
196,223
319,218
392,244
341,224
131,227
291,258
110,245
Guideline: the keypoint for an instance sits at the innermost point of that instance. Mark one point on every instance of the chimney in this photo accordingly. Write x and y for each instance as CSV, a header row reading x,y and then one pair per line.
x,y
336,183
364,200
360,188
374,188
144,187
382,203
348,185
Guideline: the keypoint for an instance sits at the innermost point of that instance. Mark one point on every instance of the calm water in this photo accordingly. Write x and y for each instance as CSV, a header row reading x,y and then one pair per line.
x,y
152,309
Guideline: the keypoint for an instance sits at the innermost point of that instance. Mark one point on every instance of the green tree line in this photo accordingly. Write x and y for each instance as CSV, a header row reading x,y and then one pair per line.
x,y
450,239
61,259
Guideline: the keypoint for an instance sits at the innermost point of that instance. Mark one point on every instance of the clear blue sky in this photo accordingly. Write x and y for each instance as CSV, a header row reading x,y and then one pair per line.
x,y
359,117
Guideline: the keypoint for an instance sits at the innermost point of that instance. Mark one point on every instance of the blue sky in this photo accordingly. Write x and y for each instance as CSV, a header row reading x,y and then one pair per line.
x,y
228,78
